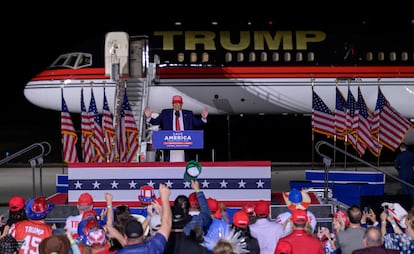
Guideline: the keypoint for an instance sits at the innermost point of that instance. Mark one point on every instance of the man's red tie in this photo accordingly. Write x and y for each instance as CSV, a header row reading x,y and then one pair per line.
x,y
177,123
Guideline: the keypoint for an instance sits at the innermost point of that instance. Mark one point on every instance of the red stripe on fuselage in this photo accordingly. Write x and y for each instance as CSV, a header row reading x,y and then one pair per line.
x,y
243,72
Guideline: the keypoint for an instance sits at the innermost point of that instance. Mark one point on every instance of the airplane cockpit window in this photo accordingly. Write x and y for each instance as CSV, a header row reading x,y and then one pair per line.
x,y
59,61
85,60
73,60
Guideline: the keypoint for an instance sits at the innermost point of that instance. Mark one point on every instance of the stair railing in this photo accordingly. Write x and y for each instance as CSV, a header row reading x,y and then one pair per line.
x,y
45,149
328,160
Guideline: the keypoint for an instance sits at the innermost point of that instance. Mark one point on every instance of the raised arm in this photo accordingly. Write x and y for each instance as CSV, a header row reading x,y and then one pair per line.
x,y
166,214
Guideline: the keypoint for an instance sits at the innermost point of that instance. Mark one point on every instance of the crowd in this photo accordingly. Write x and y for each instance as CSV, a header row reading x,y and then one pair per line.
x,y
200,224
197,224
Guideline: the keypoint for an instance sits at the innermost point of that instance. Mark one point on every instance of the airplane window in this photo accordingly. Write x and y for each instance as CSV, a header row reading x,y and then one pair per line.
x,y
287,57
369,56
240,57
193,57
204,57
180,57
404,56
381,56
311,56
263,57
299,57
393,56
252,57
228,57
275,57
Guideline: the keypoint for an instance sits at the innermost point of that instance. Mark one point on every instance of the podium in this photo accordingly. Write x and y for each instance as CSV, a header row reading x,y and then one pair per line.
x,y
178,141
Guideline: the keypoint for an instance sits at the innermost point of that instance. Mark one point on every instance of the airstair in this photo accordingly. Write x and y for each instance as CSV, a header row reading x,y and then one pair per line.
x,y
127,62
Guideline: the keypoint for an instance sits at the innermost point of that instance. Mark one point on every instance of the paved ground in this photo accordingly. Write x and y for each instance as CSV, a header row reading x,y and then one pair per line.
x,y
19,181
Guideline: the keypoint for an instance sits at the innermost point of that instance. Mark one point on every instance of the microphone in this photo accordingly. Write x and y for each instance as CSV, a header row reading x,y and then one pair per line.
x,y
177,114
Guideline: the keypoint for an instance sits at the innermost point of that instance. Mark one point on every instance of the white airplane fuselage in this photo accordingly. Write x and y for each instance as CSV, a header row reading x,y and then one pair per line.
x,y
251,88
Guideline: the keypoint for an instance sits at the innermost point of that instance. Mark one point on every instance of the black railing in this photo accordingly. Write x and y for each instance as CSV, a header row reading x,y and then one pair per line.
x,y
45,150
328,160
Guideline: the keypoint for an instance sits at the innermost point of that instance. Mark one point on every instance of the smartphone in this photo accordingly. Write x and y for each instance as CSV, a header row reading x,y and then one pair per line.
x,y
366,209
386,209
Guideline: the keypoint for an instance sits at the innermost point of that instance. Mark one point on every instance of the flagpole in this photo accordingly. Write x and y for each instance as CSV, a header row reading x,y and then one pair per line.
x,y
379,122
313,133
335,130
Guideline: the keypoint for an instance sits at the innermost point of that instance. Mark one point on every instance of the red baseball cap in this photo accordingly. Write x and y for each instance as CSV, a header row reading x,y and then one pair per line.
x,y
241,219
192,198
249,209
89,213
212,204
262,209
85,199
299,216
16,203
177,99
341,214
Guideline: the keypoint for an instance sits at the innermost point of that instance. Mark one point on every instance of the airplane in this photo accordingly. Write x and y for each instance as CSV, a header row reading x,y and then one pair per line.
x,y
247,70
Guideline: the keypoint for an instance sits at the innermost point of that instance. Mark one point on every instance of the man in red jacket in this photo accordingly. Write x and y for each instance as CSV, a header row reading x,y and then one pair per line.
x,y
299,241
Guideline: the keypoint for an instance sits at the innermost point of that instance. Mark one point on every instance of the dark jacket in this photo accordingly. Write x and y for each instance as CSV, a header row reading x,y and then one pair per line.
x,y
404,163
165,120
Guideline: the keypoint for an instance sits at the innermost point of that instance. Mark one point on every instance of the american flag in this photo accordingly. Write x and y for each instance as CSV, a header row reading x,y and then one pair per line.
x,y
109,130
340,115
350,111
322,118
128,133
364,126
70,154
98,135
388,126
87,148
229,182
352,123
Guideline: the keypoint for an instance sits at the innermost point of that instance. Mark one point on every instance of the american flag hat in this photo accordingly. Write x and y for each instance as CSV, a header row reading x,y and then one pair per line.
x,y
146,194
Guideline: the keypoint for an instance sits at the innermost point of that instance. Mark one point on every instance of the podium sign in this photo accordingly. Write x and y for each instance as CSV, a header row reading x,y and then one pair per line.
x,y
178,139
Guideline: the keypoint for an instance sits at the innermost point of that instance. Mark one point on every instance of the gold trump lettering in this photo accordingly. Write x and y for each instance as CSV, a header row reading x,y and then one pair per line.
x,y
239,41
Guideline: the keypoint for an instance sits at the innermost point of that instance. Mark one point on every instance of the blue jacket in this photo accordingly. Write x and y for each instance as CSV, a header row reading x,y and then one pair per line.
x,y
203,219
155,245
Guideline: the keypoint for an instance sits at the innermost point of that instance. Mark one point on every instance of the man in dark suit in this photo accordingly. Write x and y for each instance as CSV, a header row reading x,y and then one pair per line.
x,y
177,119
373,242
404,163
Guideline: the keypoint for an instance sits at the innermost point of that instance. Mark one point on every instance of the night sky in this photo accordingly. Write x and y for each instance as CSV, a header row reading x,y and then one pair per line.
x,y
35,34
